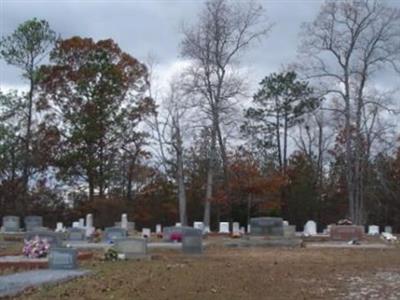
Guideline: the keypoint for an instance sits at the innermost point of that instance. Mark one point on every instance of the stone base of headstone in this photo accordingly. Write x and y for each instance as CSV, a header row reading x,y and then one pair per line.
x,y
289,231
266,242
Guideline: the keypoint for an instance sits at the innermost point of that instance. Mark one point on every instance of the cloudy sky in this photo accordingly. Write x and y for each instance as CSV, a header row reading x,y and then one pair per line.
x,y
143,27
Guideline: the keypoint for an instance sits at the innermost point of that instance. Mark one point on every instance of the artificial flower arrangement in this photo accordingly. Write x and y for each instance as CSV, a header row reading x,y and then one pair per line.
x,y
36,247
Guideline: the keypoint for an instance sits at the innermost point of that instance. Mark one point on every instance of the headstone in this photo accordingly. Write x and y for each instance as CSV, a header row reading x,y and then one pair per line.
x,y
235,229
198,225
248,228
346,232
76,234
224,227
388,229
206,229
113,233
75,224
158,228
170,231
242,230
53,238
11,224
60,227
289,231
178,224
31,222
146,233
63,258
269,226
192,244
285,223
89,225
132,248
124,221
373,230
82,222
310,228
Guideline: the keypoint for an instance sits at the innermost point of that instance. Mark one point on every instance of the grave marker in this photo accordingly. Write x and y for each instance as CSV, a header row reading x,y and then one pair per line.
x,y
146,233
113,233
346,232
76,234
224,227
270,226
192,244
132,248
310,228
11,224
235,229
198,225
63,258
373,230
31,222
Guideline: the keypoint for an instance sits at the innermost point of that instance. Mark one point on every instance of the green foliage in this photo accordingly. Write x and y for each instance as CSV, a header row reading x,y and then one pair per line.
x,y
27,45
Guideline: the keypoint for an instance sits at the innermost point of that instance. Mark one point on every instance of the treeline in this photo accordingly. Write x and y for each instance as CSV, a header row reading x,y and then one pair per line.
x,y
318,140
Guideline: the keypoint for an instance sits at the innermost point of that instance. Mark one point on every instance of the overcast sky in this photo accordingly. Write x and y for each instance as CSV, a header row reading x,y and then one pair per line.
x,y
141,27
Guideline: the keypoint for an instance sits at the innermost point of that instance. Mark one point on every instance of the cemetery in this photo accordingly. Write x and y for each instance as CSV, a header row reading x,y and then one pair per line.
x,y
200,149
71,262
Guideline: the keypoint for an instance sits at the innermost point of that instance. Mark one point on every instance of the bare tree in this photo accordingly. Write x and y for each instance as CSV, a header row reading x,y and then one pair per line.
x,y
347,44
167,128
214,46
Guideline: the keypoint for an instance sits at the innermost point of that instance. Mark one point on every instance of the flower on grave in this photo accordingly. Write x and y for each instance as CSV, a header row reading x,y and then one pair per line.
x,y
36,247
111,255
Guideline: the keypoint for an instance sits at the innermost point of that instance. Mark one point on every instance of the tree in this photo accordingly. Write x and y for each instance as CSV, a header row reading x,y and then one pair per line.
x,y
214,45
344,47
97,93
25,48
280,104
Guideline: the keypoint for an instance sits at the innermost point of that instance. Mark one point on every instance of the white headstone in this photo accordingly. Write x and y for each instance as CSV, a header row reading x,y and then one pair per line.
x,y
124,221
248,228
89,225
236,228
178,224
82,222
198,225
242,230
224,227
59,227
75,224
388,229
310,228
206,229
158,229
373,230
146,233
285,223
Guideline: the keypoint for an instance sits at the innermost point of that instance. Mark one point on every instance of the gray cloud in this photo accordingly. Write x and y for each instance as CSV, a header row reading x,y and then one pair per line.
x,y
141,27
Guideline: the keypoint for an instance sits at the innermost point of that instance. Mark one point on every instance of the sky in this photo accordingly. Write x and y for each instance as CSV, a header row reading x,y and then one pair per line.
x,y
152,27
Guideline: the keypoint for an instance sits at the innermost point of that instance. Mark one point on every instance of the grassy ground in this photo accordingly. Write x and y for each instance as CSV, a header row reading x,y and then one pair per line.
x,y
223,273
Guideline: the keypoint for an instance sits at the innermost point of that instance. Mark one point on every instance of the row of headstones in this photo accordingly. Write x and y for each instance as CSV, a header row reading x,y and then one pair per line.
x,y
310,228
13,224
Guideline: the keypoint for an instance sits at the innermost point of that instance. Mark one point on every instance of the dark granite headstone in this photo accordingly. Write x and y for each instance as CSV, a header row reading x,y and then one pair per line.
x,y
53,238
132,248
11,224
346,232
192,244
76,234
268,226
113,233
63,258
31,222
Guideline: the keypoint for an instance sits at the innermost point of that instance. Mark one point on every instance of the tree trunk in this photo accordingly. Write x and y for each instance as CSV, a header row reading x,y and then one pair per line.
x,y
210,178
